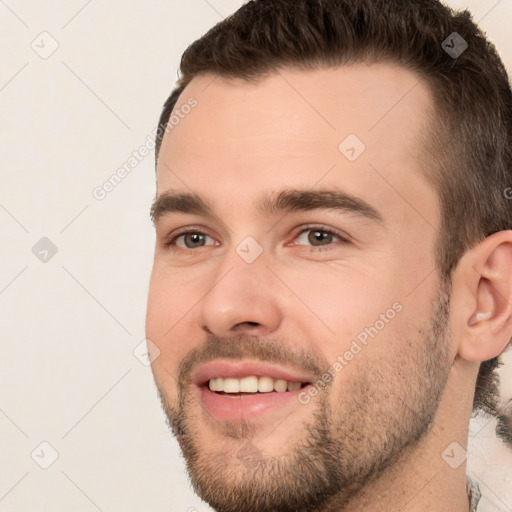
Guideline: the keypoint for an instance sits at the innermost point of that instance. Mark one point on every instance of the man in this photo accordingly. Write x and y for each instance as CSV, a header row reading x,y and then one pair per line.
x,y
332,279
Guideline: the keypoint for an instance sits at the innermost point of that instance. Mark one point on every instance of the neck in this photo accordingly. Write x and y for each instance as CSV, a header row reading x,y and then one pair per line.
x,y
416,483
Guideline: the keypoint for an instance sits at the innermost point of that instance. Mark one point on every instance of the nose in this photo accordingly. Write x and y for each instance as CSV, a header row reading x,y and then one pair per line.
x,y
242,300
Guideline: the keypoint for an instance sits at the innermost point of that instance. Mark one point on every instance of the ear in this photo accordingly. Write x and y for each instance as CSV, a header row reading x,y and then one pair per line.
x,y
482,293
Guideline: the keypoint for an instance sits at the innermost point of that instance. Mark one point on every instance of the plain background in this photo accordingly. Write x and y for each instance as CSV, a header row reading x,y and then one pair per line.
x,y
69,325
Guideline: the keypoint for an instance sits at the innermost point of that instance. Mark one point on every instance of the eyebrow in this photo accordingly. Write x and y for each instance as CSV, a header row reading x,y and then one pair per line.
x,y
286,201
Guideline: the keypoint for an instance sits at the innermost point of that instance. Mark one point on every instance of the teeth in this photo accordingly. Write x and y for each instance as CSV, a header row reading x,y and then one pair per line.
x,y
248,384
280,385
231,385
217,384
265,384
252,384
293,386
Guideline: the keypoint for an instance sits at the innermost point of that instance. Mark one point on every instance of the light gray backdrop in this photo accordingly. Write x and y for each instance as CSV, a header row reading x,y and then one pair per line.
x,y
81,87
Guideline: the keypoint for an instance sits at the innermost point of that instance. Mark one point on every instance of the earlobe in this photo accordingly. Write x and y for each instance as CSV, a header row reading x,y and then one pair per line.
x,y
486,279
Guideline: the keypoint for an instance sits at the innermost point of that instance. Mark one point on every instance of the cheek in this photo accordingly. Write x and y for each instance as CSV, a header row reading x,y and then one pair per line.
x,y
342,300
385,355
168,323
171,299
362,316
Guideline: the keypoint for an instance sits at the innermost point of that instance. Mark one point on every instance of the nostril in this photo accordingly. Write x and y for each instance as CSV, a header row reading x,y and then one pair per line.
x,y
251,324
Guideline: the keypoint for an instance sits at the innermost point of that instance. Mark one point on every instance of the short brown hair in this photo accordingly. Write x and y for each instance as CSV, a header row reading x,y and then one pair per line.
x,y
469,153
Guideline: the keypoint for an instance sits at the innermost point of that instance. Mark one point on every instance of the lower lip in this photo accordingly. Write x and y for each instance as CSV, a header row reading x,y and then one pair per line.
x,y
246,407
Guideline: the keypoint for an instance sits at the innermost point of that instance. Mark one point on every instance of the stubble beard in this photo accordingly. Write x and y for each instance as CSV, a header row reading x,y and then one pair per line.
x,y
386,407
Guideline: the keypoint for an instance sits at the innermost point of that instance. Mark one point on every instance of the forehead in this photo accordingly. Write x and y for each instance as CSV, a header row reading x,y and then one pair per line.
x,y
302,128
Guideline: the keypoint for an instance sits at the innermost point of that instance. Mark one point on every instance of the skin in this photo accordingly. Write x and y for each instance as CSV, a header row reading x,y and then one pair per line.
x,y
247,139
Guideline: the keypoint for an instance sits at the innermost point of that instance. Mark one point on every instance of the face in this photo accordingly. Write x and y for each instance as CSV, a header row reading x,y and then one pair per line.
x,y
294,299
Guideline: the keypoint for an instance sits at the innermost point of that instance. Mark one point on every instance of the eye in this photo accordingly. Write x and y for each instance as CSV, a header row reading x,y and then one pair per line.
x,y
190,240
318,237
312,236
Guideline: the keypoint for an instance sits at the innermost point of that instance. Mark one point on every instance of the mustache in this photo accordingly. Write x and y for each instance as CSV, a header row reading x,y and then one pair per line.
x,y
269,350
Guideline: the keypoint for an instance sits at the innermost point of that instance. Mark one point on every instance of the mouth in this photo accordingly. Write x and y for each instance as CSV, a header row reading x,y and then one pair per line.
x,y
252,385
246,391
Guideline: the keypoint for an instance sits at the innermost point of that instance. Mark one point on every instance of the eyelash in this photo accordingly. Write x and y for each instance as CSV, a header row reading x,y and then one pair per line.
x,y
171,243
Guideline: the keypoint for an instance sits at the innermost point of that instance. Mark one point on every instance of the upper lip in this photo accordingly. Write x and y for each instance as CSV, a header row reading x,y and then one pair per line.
x,y
238,370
